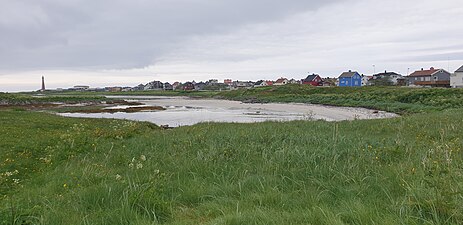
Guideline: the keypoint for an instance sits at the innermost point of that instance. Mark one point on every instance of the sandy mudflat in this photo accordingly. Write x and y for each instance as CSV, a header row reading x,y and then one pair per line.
x,y
182,111
328,113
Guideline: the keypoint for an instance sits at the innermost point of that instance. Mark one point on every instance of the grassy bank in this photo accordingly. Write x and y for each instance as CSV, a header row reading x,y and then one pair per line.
x,y
58,170
400,100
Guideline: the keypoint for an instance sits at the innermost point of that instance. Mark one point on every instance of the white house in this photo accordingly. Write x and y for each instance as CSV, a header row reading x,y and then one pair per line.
x,y
456,80
281,81
260,83
366,80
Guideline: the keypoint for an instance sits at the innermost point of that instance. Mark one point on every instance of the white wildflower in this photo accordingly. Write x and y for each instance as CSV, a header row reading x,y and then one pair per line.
x,y
139,166
118,177
143,158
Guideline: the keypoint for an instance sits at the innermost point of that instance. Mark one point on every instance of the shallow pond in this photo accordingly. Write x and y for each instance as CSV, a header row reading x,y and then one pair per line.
x,y
183,111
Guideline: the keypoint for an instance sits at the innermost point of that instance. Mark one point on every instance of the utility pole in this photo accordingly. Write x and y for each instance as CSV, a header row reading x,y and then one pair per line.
x,y
448,64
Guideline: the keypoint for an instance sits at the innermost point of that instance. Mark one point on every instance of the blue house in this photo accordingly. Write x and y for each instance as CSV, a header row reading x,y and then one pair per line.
x,y
350,79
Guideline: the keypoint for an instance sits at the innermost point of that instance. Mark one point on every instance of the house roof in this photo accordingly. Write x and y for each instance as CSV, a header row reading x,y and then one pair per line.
x,y
460,70
259,82
420,73
387,74
311,78
281,80
348,74
269,83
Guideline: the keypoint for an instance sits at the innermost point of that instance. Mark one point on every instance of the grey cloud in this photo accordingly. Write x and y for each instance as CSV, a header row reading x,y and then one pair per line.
x,y
121,34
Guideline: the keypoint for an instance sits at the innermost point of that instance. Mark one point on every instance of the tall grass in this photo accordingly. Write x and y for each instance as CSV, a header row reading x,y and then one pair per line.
x,y
401,100
83,171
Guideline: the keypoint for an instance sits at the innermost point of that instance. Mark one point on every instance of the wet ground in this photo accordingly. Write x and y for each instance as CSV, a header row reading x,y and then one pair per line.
x,y
183,111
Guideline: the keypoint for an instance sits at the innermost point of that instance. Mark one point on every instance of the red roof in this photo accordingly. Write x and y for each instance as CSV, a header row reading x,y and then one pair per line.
x,y
420,73
269,83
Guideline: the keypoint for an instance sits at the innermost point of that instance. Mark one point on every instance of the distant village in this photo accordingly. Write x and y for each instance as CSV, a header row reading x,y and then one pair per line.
x,y
431,77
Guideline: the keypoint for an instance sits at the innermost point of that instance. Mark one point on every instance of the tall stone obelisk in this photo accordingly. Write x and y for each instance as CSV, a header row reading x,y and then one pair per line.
x,y
43,84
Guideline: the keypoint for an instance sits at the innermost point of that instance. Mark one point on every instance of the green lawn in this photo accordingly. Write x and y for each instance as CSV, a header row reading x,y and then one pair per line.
x,y
56,170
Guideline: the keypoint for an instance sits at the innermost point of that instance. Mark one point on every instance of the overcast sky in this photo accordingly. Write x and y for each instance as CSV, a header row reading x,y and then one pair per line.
x,y
128,42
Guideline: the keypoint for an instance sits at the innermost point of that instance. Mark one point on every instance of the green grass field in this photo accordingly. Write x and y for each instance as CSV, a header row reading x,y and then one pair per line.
x,y
407,170
58,170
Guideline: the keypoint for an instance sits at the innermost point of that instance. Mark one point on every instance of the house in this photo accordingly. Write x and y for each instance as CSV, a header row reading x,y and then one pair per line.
x,y
314,80
175,85
260,83
430,78
366,80
242,84
200,86
281,81
456,80
294,81
269,83
228,82
188,86
212,82
140,87
329,82
154,85
386,78
168,86
350,79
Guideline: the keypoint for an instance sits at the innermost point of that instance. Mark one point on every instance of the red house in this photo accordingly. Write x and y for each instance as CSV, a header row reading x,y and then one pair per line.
x,y
314,80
